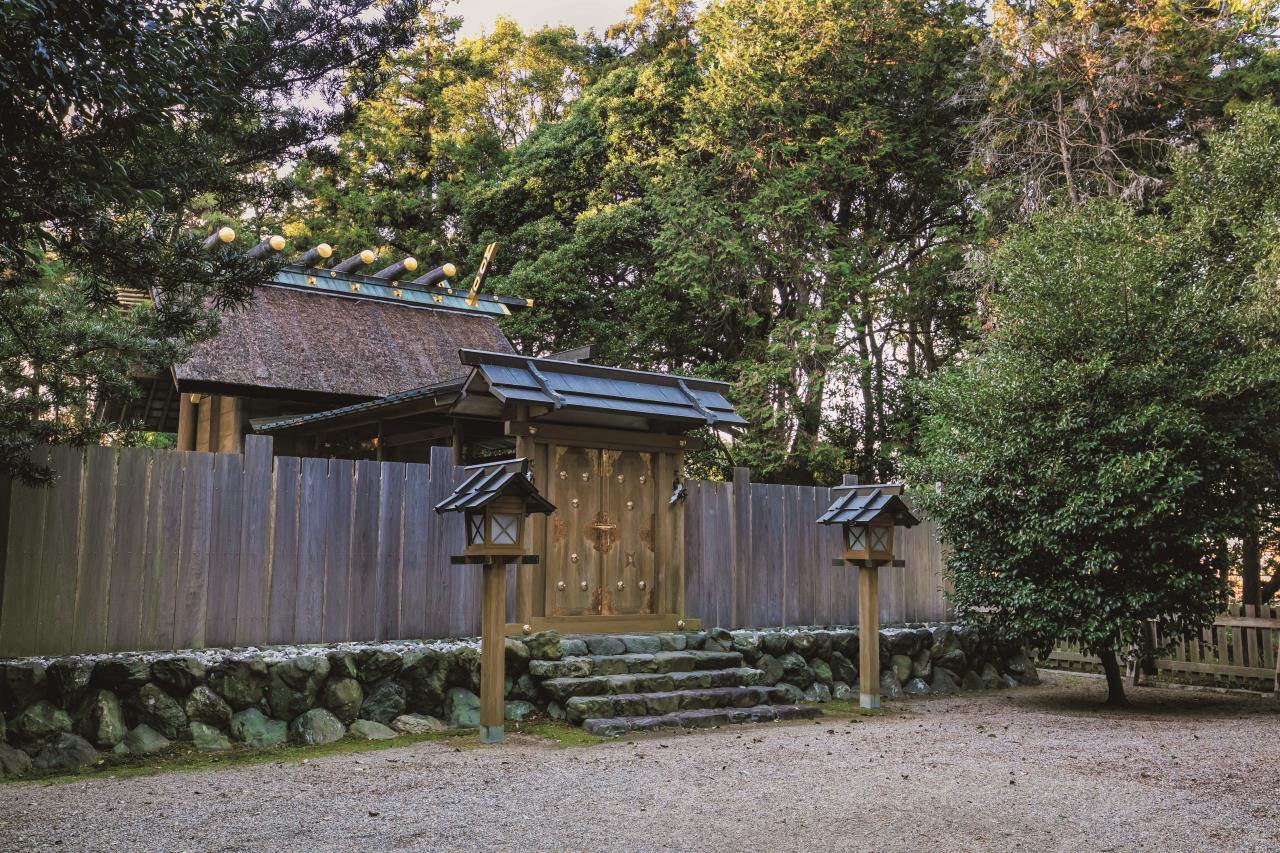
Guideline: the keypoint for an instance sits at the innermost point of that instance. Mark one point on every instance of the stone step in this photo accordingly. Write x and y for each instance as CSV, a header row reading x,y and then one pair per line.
x,y
584,666
581,708
562,689
703,718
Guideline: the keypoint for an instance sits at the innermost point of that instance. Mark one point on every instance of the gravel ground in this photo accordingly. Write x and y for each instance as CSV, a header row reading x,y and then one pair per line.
x,y
1032,769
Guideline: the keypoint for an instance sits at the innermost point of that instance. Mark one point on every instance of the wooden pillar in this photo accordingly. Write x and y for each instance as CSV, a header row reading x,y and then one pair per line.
x,y
869,636
207,423
186,423
230,426
493,650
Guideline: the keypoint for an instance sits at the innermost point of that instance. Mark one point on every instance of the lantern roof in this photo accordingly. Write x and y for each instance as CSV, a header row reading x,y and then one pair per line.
x,y
865,504
492,480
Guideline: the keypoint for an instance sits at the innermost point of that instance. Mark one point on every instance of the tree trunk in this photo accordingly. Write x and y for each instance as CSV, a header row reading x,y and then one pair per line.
x,y
1115,678
1251,567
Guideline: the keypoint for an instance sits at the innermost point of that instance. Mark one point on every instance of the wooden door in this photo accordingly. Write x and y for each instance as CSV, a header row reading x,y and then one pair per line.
x,y
626,532
573,561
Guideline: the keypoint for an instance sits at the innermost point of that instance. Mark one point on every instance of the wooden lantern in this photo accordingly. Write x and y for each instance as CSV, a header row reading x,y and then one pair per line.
x,y
868,515
495,499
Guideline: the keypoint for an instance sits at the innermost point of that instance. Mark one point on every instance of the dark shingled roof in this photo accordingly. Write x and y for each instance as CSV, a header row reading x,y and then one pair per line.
x,y
485,483
316,342
861,504
570,385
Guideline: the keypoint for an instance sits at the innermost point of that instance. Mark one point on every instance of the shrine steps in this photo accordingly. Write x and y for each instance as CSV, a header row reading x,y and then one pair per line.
x,y
705,718
611,694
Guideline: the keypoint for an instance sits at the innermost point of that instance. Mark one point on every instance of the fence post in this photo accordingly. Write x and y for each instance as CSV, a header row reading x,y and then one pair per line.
x,y
741,527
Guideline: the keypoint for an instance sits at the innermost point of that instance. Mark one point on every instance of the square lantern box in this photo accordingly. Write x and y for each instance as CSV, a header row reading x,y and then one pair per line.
x,y
495,499
869,514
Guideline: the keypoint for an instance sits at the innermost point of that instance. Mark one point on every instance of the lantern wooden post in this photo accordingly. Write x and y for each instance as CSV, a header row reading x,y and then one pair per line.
x,y
495,499
869,637
493,651
867,515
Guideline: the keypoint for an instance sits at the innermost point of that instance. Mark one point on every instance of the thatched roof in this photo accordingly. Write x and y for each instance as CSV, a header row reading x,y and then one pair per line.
x,y
312,342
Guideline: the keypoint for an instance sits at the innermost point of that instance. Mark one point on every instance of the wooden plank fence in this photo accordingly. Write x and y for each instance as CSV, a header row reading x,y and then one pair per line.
x,y
755,557
1241,649
138,549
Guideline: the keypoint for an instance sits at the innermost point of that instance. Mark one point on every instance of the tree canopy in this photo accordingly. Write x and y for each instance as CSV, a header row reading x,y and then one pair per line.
x,y
129,126
1109,436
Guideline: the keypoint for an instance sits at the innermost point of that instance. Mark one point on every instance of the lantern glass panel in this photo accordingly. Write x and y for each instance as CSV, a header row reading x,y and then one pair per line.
x,y
504,528
880,539
475,528
856,537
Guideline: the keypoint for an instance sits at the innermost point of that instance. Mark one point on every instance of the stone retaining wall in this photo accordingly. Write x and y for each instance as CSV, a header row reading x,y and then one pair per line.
x,y
56,714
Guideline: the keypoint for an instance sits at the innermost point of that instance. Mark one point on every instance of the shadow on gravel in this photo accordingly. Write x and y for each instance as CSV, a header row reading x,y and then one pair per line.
x,y
1145,703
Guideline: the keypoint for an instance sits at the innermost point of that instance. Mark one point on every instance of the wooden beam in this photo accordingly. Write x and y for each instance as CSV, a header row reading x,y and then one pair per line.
x,y
604,624
613,439
416,436
186,423
869,636
492,651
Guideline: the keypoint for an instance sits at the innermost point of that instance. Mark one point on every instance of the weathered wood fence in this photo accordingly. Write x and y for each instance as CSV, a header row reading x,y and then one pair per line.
x,y
755,556
156,549
1240,649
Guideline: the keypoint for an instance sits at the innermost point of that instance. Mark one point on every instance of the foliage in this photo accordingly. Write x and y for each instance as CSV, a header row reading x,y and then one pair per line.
x,y
1083,99
446,117
1117,425
122,119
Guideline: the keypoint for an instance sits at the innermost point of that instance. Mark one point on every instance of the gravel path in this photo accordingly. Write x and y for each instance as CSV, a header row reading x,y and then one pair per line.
x,y
1032,769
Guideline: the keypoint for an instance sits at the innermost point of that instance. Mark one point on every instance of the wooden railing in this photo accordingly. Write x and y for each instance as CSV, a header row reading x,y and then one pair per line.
x,y
1240,649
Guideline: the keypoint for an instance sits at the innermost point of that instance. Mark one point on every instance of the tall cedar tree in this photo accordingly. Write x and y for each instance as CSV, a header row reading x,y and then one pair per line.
x,y
1119,422
123,120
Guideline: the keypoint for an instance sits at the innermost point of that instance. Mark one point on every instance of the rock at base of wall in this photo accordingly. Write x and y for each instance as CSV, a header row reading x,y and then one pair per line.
x,y
840,690
387,701
242,683
418,724
13,762
65,753
462,708
795,670
160,711
916,687
518,711
208,738
143,740
41,721
69,680
178,675
1022,669
22,682
794,693
890,688
822,671
370,730
922,665
817,692
770,667
843,669
900,666
100,719
254,728
343,697
774,642
316,727
572,647
121,675
544,645
205,706
293,685
943,681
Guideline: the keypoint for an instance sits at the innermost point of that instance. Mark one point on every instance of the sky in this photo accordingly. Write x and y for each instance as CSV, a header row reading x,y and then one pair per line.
x,y
478,15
